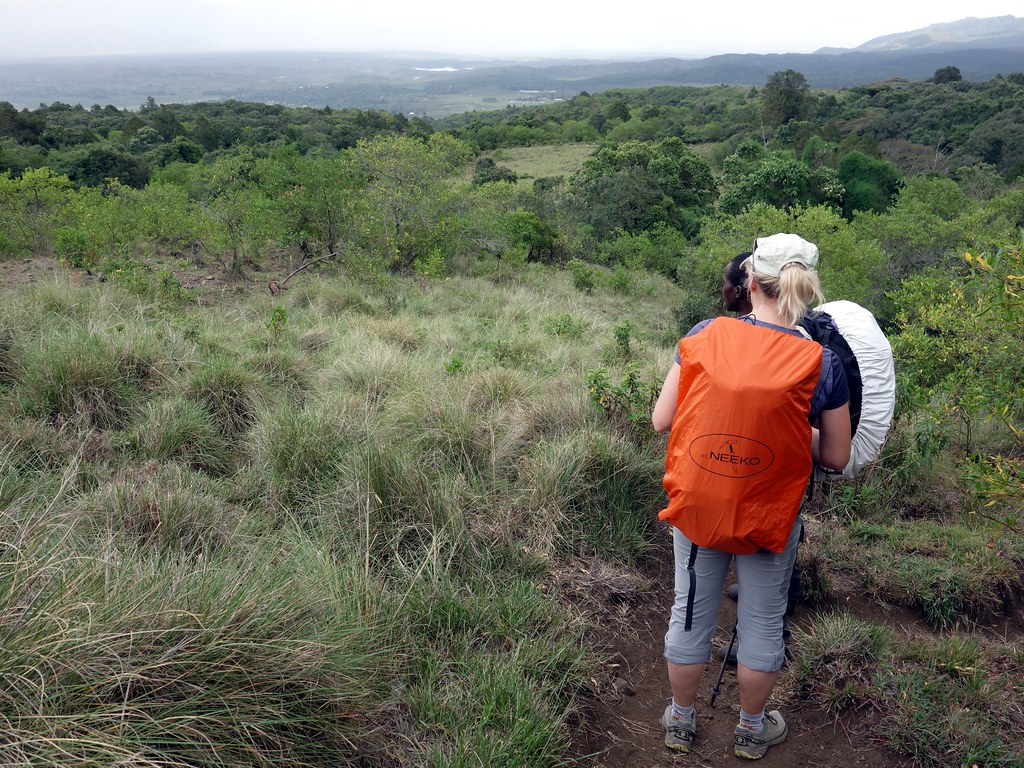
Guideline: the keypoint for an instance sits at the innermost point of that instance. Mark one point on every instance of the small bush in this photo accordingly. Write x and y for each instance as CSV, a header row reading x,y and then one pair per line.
x,y
565,325
629,403
584,277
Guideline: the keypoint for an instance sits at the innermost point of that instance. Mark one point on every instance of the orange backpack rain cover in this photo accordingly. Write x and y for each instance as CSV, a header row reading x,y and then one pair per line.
x,y
739,452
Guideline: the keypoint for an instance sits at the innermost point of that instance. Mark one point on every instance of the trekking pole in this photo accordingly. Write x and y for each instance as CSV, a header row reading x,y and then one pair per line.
x,y
718,683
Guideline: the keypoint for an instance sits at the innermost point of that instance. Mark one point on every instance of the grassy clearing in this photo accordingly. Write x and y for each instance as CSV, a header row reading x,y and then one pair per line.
x,y
320,530
310,533
544,161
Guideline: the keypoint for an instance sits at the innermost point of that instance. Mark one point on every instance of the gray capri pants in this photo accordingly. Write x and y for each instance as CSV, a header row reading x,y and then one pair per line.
x,y
764,587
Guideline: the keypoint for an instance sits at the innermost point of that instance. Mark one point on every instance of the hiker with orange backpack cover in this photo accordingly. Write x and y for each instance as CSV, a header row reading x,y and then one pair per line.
x,y
750,404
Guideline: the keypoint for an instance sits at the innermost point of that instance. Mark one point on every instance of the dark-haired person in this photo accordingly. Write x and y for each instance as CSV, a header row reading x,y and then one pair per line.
x,y
759,359
735,296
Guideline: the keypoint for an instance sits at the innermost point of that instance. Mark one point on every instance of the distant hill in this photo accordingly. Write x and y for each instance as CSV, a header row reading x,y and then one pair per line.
x,y
438,85
998,33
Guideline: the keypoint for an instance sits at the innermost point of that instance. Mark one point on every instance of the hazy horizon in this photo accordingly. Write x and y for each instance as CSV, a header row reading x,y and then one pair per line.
x,y
653,28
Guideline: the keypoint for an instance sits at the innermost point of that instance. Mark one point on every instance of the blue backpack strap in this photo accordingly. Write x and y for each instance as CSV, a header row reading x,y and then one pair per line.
x,y
692,573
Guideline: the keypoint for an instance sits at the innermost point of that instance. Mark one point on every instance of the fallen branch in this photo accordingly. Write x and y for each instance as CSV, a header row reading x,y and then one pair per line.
x,y
296,271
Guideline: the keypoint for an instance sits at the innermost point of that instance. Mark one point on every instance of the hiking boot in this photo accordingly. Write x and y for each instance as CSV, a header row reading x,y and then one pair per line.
x,y
679,733
754,746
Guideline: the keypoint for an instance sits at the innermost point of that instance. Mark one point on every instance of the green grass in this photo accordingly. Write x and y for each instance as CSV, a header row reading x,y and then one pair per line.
x,y
544,161
938,700
952,573
324,541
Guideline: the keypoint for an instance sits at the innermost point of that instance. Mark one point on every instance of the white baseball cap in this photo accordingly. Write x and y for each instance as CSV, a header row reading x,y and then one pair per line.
x,y
771,254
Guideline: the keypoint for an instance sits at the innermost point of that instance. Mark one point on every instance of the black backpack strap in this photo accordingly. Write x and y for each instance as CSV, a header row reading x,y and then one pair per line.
x,y
692,573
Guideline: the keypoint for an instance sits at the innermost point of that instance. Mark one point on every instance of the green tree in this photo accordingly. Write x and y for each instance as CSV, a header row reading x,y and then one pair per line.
x,y
947,75
32,209
408,204
783,97
524,228
92,167
231,193
487,171
635,185
317,197
930,224
754,175
180,150
870,184
16,157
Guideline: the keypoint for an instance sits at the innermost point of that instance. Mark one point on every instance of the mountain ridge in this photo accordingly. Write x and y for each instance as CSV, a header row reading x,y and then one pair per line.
x,y
438,84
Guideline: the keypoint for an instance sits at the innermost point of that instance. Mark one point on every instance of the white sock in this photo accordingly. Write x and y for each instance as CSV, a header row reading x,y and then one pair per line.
x,y
684,713
752,722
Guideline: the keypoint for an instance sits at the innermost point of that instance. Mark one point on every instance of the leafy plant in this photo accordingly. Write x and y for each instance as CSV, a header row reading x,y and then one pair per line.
x,y
583,276
629,402
277,322
566,325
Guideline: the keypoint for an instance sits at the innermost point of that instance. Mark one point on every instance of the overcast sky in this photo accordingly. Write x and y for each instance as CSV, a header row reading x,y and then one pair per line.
x,y
44,28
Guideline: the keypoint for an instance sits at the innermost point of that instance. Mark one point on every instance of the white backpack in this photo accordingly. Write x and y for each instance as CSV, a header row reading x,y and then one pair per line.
x,y
877,375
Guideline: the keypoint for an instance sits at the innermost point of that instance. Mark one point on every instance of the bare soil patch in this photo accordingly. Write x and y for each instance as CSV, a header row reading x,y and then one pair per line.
x,y
622,728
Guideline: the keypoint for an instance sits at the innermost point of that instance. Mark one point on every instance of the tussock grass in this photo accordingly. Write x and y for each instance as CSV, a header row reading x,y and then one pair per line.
x,y
34,447
504,677
412,505
182,430
373,370
836,660
587,493
80,378
11,354
269,659
939,700
329,299
458,429
304,452
951,573
283,369
332,541
228,392
165,507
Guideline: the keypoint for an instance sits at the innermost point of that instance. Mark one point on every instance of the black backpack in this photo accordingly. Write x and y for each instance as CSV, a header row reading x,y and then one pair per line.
x,y
822,328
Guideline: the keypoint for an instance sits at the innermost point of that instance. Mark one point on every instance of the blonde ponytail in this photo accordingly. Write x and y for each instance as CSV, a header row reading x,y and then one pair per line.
x,y
793,290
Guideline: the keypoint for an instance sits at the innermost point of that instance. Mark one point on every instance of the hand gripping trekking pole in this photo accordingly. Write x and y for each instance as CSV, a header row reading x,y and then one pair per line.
x,y
716,689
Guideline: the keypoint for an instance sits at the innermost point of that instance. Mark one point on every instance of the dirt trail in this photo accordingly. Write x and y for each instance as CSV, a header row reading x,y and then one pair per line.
x,y
623,729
